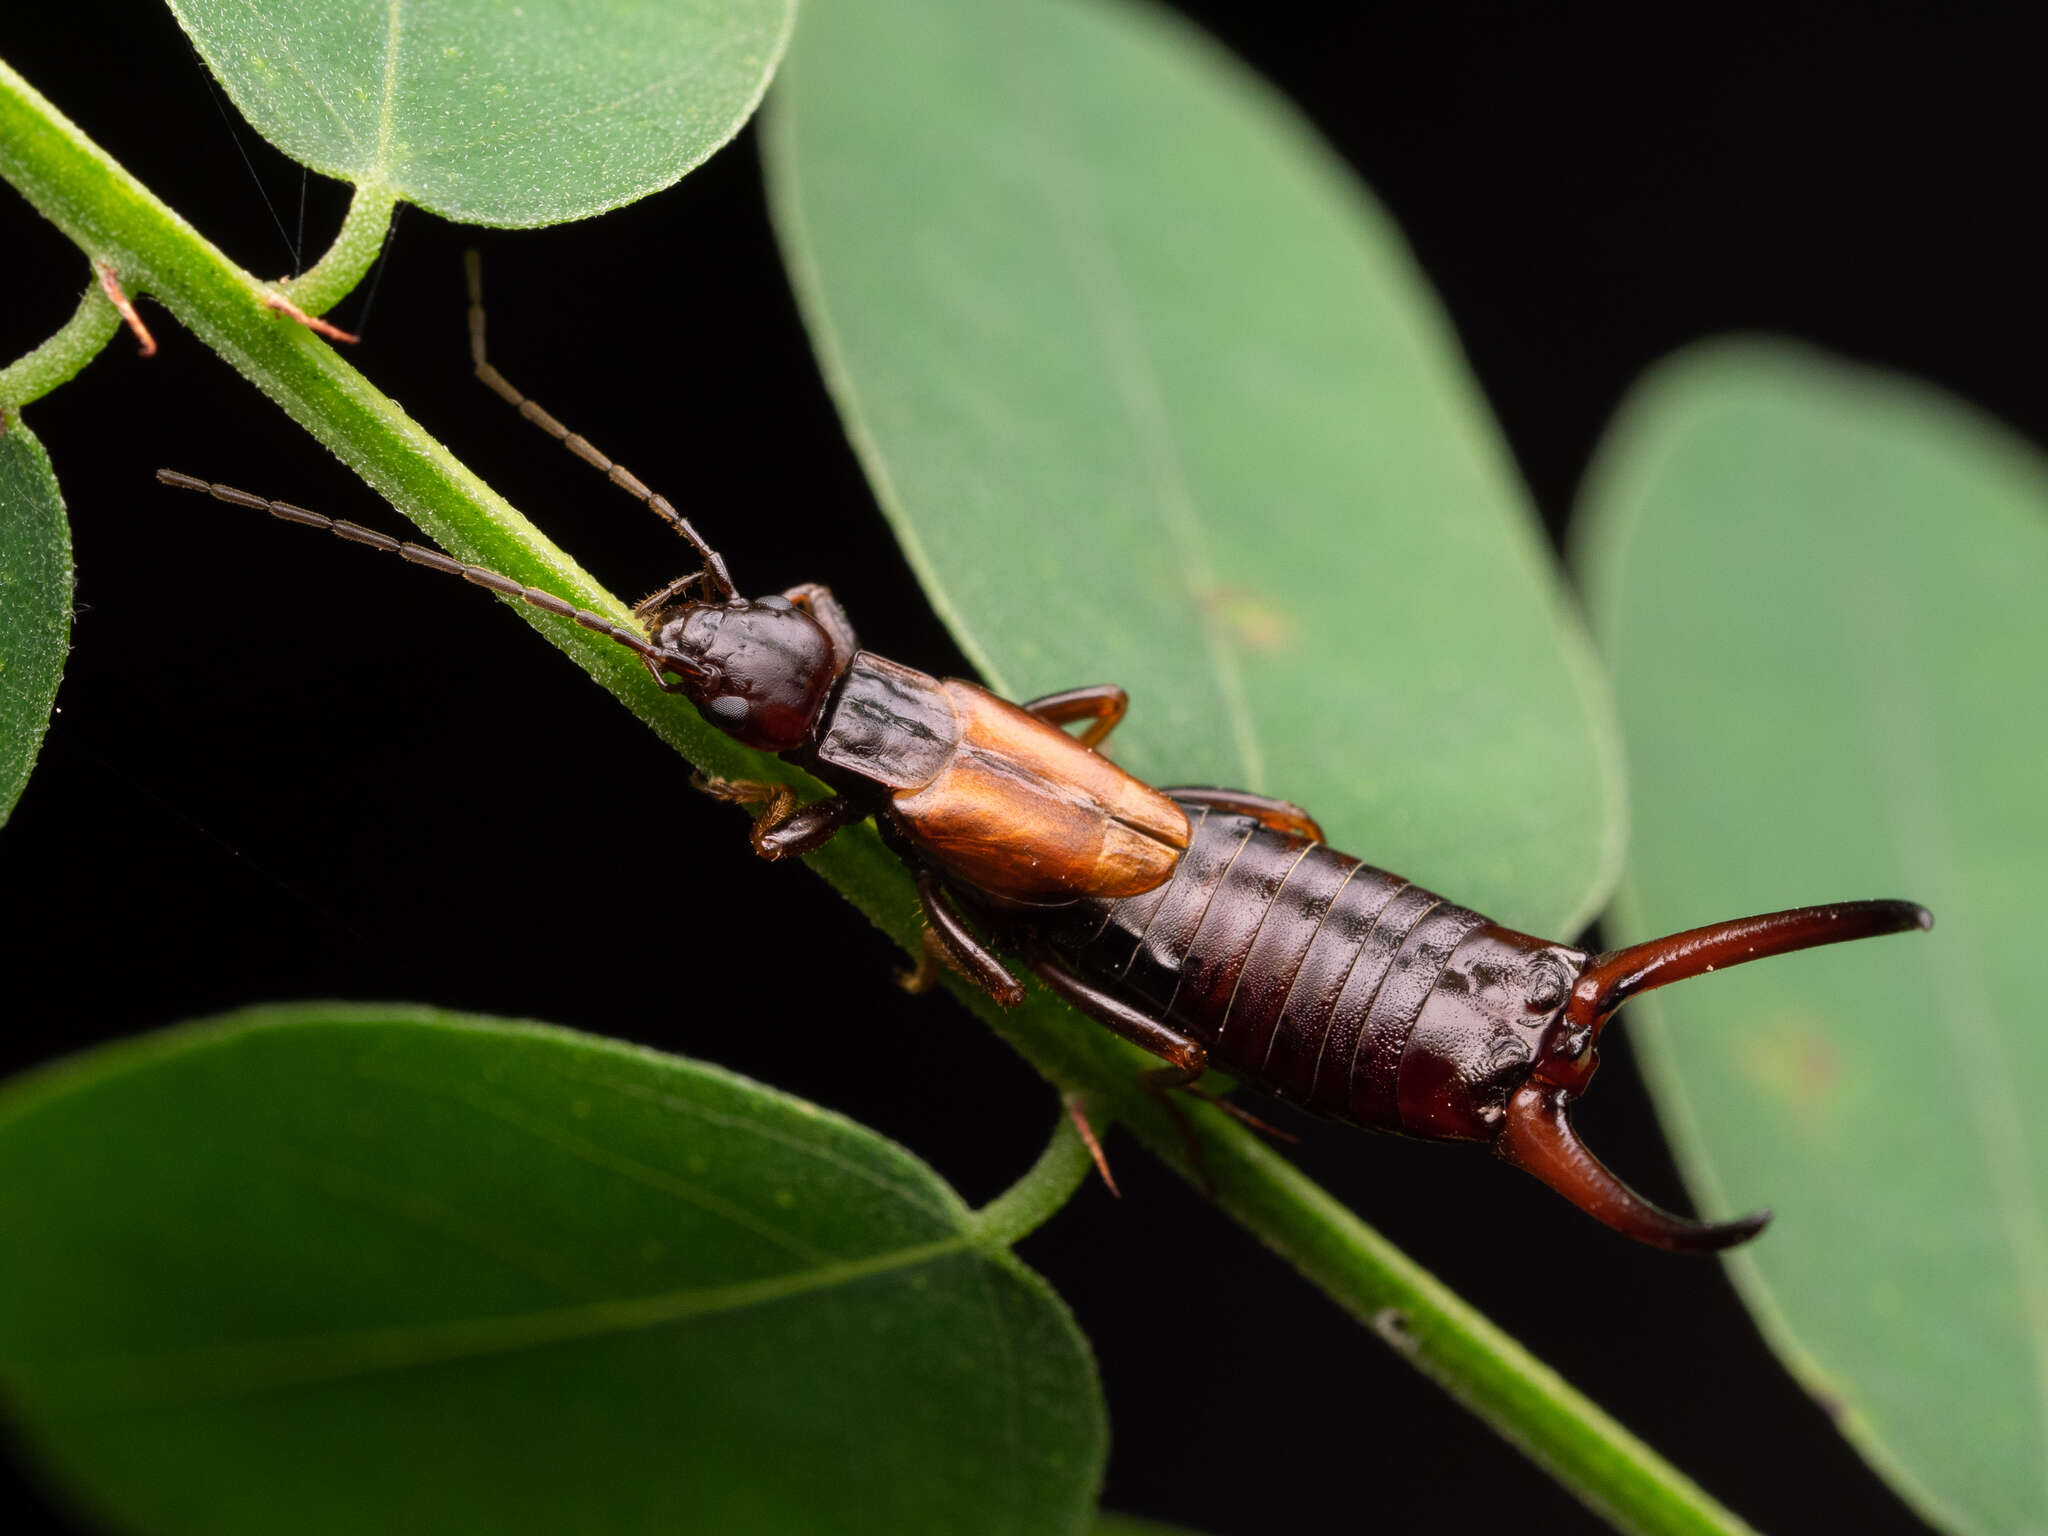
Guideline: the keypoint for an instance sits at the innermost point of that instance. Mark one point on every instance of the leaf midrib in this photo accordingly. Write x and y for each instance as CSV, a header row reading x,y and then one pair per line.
x,y
82,1388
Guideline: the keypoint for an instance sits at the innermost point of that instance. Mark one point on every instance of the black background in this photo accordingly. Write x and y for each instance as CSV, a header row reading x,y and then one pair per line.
x,y
288,769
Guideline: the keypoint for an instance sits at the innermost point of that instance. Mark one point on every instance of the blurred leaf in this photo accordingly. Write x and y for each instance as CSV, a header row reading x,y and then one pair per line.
x,y
1153,394
343,1269
35,604
1824,596
492,113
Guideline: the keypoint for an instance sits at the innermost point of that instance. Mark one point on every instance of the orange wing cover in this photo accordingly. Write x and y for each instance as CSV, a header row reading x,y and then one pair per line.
x,y
1023,810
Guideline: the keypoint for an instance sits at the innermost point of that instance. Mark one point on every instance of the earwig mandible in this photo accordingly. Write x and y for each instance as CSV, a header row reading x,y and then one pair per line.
x,y
1203,925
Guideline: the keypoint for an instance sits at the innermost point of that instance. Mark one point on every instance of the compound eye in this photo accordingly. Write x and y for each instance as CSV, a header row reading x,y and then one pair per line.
x,y
774,602
728,710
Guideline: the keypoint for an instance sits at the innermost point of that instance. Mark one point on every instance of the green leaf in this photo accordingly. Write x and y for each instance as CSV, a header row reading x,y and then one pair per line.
x,y
35,603
1153,394
1821,593
494,113
334,1268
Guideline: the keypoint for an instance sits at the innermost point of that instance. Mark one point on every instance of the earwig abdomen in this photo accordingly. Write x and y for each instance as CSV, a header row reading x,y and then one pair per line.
x,y
1306,973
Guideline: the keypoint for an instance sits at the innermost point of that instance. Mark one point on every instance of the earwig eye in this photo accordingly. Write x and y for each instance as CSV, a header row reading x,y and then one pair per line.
x,y
728,710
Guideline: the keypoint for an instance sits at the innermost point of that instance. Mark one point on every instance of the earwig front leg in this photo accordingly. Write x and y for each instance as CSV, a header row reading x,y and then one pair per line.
x,y
1103,703
807,830
961,948
777,801
1280,815
817,600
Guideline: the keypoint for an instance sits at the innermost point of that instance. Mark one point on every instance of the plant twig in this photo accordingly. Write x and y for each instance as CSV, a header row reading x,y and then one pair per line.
x,y
107,212
356,245
58,361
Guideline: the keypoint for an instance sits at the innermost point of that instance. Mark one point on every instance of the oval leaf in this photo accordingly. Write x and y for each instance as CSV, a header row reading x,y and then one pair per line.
x,y
491,113
1821,593
1153,394
35,603
336,1269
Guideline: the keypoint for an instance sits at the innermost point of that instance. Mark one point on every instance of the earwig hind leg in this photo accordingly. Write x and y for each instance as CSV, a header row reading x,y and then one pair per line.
x,y
1102,703
961,948
817,600
1186,1060
1280,815
1241,1115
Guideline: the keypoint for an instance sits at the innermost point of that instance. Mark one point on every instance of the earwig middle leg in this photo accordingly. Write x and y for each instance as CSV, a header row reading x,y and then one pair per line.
x,y
960,947
1102,703
1280,815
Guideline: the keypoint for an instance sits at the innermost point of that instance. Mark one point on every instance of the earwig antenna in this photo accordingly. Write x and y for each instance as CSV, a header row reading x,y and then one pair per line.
x,y
657,659
716,580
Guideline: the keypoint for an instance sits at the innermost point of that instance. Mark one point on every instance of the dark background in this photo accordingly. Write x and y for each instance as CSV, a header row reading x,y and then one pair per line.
x,y
329,784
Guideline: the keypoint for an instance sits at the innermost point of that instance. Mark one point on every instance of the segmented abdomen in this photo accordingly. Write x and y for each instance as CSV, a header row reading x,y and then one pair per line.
x,y
1301,969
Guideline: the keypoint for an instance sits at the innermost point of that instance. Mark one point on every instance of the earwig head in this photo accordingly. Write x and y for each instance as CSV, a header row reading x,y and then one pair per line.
x,y
758,670
1536,1132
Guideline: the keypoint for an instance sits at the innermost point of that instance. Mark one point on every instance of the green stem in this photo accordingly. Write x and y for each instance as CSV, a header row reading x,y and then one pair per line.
x,y
57,361
111,215
1046,1185
356,246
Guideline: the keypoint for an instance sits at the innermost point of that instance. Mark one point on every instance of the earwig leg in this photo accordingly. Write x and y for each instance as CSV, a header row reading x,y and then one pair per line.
x,y
820,604
1077,1111
962,949
1103,703
807,830
1280,815
1241,1115
924,975
777,801
1186,1059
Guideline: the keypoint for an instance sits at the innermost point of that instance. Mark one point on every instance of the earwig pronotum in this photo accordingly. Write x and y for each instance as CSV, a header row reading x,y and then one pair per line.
x,y
1200,924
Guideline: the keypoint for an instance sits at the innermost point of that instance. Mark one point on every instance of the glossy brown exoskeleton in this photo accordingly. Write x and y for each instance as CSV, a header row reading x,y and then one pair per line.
x,y
1205,925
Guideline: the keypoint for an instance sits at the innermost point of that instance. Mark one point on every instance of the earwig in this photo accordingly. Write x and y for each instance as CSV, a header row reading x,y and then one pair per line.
x,y
1203,925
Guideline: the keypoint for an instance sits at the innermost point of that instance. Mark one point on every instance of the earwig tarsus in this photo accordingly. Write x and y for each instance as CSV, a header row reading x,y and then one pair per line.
x,y
1204,925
